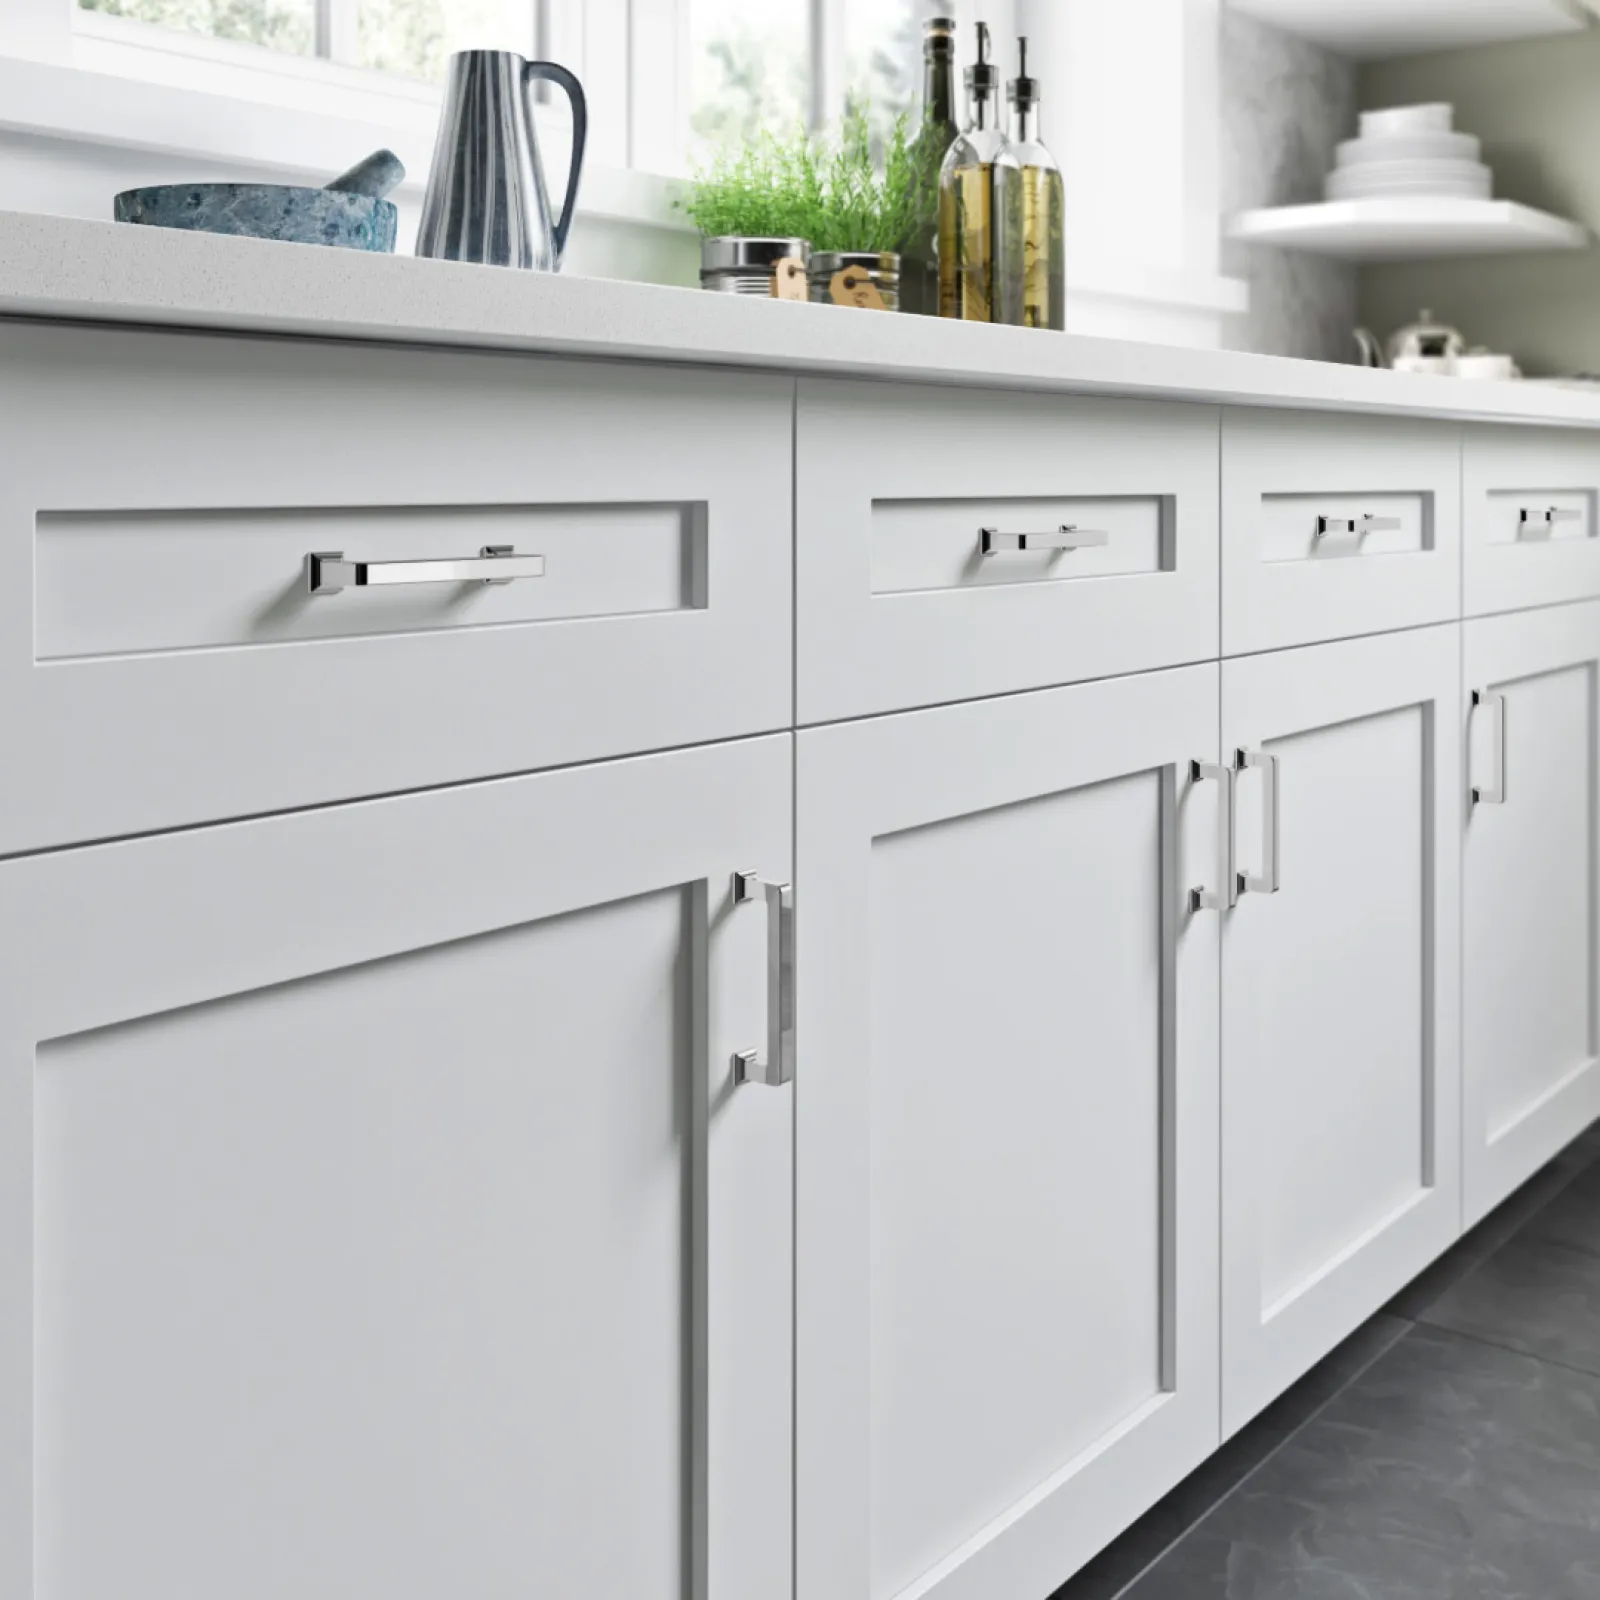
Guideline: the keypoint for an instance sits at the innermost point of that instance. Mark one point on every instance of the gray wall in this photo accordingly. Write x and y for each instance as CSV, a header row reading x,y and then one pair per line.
x,y
1536,106
1286,104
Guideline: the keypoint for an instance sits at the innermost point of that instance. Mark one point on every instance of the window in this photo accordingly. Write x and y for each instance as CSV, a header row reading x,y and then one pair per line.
x,y
758,63
411,38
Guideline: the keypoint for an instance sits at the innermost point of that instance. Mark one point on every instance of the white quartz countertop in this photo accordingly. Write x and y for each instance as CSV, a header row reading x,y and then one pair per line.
x,y
68,268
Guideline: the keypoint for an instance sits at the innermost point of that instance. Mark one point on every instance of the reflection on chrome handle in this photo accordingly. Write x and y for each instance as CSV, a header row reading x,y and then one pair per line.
x,y
992,542
1545,517
777,1066
1266,881
328,572
1356,525
1226,896
1493,794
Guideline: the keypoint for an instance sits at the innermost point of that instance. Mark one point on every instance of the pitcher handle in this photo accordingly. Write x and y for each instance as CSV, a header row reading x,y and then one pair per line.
x,y
552,73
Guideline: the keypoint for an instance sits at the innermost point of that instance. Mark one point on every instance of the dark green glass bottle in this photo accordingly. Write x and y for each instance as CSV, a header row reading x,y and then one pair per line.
x,y
919,261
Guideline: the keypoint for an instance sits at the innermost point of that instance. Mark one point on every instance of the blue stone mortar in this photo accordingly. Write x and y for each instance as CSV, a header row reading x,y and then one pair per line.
x,y
265,211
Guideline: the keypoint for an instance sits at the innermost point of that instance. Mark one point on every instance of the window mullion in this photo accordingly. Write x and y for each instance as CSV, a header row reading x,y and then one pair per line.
x,y
826,60
338,32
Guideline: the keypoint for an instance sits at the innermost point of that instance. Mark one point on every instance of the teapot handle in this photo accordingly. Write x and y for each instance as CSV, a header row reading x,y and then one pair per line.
x,y
551,73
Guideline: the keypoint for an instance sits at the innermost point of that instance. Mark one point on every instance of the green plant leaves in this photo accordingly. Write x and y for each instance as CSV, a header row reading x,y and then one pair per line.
x,y
830,192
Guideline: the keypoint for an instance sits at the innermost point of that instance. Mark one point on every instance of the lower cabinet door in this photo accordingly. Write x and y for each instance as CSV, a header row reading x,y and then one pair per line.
x,y
1341,995
377,1213
1530,966
1006,1138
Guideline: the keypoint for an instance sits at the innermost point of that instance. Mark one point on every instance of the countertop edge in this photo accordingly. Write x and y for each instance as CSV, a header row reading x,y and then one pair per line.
x,y
71,269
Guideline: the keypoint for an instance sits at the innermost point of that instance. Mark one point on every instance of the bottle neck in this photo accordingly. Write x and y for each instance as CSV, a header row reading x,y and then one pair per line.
x,y
982,113
1024,124
939,87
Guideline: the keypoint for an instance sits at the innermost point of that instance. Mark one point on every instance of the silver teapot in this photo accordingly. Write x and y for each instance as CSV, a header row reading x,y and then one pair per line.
x,y
1421,346
486,199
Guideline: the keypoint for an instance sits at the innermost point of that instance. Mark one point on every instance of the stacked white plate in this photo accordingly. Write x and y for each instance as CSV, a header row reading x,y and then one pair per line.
x,y
1409,150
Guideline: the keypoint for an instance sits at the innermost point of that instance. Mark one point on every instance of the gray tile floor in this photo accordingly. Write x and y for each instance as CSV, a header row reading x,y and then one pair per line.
x,y
1449,1450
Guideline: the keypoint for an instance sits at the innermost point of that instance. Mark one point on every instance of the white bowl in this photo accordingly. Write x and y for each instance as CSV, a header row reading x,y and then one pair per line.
x,y
1410,147
1464,178
1435,118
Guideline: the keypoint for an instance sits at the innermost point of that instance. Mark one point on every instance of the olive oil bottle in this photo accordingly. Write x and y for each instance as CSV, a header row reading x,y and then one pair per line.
x,y
919,256
967,212
1031,272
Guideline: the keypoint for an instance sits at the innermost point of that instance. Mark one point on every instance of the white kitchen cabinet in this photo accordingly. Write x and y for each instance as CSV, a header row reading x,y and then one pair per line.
x,y
377,1214
1530,965
956,544
1335,526
1341,995
163,661
1530,518
1006,1205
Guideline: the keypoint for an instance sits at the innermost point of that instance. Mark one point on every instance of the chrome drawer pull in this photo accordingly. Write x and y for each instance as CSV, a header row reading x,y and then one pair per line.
x,y
1356,525
777,1066
992,542
1493,794
1266,882
1225,897
328,572
1548,517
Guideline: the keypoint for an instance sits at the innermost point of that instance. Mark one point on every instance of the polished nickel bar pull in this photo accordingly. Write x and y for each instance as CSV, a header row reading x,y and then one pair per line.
x,y
1493,794
1545,517
1359,526
328,572
777,1066
1066,537
1225,897
1266,881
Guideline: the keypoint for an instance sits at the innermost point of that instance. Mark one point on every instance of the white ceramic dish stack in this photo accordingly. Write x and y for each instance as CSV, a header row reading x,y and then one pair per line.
x,y
1409,150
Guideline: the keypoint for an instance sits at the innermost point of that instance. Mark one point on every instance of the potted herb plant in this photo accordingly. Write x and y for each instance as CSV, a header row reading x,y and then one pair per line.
x,y
830,205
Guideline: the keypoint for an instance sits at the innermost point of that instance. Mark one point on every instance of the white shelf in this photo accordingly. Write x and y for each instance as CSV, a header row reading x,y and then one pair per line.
x,y
1409,227
1372,29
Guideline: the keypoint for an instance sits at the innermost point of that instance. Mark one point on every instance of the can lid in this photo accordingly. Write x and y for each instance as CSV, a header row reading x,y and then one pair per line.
x,y
1023,91
983,76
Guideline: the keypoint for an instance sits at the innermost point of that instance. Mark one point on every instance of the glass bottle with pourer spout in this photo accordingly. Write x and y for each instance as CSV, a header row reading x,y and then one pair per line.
x,y
967,194
1030,273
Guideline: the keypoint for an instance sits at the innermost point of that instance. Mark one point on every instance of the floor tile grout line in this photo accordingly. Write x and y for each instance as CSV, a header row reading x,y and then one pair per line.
x,y
1288,1438
1511,1350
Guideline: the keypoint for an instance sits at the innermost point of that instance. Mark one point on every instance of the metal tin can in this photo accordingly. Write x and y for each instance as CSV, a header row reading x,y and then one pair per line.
x,y
735,265
868,278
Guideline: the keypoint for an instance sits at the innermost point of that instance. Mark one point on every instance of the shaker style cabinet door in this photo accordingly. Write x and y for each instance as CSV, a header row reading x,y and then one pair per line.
x,y
952,544
377,1214
1340,995
1531,517
1334,526
1531,967
1006,1146
170,502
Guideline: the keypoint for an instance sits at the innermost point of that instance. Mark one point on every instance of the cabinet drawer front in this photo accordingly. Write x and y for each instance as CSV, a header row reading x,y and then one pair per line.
x,y
1531,877
1531,517
1334,526
953,546
1006,1128
167,661
369,1191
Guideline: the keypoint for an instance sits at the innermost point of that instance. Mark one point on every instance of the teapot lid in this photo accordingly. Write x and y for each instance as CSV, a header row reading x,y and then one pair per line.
x,y
1428,327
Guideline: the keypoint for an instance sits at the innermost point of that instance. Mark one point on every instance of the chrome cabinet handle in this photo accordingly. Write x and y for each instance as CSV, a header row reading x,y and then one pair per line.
x,y
1356,525
328,572
1493,794
991,542
777,1066
1266,881
1547,517
1225,896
